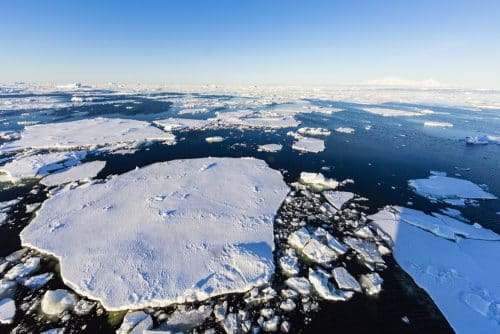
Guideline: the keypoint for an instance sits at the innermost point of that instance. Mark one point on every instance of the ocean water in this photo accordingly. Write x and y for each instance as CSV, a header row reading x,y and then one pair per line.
x,y
380,160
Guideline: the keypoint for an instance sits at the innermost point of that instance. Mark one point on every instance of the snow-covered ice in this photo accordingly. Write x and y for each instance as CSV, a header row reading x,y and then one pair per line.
x,y
95,132
371,283
306,144
482,140
316,252
387,112
174,212
317,181
135,323
215,139
345,130
444,188
7,311
338,198
438,124
314,131
55,302
184,321
299,284
82,172
38,165
264,119
460,276
320,281
344,279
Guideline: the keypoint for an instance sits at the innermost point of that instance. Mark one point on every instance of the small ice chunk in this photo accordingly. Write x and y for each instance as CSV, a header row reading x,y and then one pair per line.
x,y
319,280
271,325
388,112
316,252
288,305
299,284
36,282
438,124
338,198
184,321
371,283
335,244
345,280
364,232
7,289
345,130
367,250
317,180
7,311
272,148
55,302
23,269
482,140
220,311
289,264
314,131
135,323
299,238
215,139
84,307
231,324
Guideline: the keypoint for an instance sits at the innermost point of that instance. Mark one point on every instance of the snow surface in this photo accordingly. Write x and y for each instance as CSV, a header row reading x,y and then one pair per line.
x,y
82,172
445,188
95,132
460,276
38,165
175,213
306,144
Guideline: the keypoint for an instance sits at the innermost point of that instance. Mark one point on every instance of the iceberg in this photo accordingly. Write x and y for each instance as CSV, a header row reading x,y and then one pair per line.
x,y
176,212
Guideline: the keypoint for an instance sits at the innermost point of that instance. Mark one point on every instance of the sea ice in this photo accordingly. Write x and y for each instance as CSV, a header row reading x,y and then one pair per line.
x,y
338,198
135,323
299,238
38,165
306,144
444,188
314,131
318,181
316,252
7,311
270,148
174,212
438,124
482,140
345,130
55,302
386,112
95,132
319,281
265,119
299,284
344,279
216,139
184,321
23,269
460,276
82,172
371,283
176,124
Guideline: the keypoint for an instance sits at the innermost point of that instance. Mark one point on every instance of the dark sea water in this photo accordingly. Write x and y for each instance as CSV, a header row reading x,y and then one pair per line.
x,y
380,161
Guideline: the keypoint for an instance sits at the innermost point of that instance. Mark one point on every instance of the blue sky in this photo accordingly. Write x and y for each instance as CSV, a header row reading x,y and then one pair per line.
x,y
251,42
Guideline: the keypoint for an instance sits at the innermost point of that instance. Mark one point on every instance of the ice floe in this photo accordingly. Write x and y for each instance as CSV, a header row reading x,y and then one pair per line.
x,y
306,144
95,132
482,140
317,181
176,124
255,119
338,198
345,130
55,302
387,112
82,172
459,275
344,280
38,165
438,124
448,189
181,209
320,281
272,148
7,311
314,131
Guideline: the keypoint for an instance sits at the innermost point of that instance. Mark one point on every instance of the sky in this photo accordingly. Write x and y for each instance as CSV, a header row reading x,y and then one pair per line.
x,y
251,42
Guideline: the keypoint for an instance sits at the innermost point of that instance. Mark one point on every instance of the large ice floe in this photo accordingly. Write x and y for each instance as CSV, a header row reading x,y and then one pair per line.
x,y
95,132
460,274
183,232
448,189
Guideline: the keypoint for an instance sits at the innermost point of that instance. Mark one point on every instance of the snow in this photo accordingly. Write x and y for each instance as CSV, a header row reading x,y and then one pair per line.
x,y
387,112
55,302
82,172
306,144
176,124
439,187
345,130
438,124
314,131
7,311
95,132
322,286
216,139
338,198
270,148
38,165
459,275
317,181
344,279
176,212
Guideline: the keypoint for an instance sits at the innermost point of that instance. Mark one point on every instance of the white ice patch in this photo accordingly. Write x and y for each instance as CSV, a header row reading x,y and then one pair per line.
x,y
443,188
7,311
272,148
345,130
461,277
95,132
82,172
175,124
202,212
338,198
438,124
318,181
306,144
344,280
38,165
215,139
314,131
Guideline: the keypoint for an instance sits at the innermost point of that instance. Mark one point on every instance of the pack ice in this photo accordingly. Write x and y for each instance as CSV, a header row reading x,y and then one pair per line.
x,y
460,275
170,232
95,132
